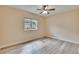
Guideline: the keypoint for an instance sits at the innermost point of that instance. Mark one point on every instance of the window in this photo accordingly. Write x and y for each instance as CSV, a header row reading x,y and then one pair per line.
x,y
30,24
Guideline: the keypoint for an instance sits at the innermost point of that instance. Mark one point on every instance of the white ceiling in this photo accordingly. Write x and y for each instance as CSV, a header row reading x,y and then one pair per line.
x,y
59,8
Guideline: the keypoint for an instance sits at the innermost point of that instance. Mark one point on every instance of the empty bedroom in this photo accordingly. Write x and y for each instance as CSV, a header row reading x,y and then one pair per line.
x,y
39,29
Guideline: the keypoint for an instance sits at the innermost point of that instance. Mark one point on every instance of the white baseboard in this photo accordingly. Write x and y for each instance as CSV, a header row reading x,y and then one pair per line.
x,y
65,40
16,43
7,45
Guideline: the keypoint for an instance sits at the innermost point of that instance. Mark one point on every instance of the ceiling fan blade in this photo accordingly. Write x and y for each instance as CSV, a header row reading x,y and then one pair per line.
x,y
47,12
41,12
51,9
38,9
44,6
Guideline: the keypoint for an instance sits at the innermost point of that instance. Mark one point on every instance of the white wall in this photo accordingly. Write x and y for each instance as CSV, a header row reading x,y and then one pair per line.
x,y
64,26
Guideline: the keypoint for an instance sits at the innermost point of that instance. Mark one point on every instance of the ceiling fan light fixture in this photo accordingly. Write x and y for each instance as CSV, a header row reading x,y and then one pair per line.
x,y
45,13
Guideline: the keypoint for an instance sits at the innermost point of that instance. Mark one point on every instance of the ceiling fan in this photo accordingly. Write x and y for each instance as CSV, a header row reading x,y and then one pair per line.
x,y
46,10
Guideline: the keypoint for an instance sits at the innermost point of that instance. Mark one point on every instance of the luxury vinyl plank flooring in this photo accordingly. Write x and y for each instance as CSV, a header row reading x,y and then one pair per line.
x,y
45,46
70,48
